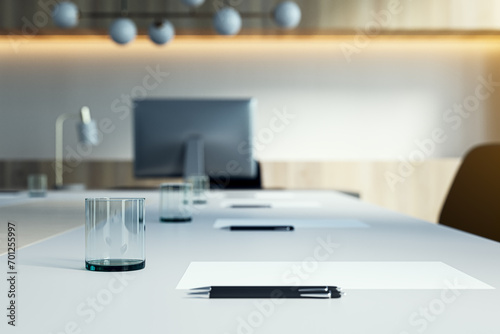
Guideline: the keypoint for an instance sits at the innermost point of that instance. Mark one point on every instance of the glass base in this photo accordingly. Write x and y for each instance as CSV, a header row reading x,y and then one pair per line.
x,y
175,220
37,193
115,265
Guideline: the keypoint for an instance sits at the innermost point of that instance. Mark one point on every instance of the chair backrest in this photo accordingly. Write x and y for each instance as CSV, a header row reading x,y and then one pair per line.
x,y
473,202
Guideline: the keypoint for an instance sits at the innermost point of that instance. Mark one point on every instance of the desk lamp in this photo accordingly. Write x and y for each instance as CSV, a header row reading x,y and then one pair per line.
x,y
87,134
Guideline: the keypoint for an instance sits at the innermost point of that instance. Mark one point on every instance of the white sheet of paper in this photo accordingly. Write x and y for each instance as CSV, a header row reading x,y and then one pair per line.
x,y
297,223
273,203
274,195
348,275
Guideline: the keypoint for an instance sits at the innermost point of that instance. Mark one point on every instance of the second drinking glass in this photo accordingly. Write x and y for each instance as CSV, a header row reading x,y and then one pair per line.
x,y
176,201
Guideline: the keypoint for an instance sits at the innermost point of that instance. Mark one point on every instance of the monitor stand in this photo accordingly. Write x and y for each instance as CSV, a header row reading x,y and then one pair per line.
x,y
194,157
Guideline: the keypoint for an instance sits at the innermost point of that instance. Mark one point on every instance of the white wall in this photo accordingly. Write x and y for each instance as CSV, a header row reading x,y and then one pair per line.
x,y
391,94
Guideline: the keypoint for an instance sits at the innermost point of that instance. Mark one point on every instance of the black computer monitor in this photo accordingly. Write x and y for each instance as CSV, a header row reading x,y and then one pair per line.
x,y
183,137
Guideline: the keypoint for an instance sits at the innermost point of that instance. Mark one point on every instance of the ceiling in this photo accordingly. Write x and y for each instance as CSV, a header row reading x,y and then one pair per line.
x,y
318,16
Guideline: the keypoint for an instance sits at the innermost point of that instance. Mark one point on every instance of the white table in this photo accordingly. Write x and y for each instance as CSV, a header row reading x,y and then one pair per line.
x,y
57,295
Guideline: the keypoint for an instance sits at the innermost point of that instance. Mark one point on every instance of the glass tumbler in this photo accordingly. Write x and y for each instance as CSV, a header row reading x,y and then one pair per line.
x,y
176,201
201,185
37,185
114,234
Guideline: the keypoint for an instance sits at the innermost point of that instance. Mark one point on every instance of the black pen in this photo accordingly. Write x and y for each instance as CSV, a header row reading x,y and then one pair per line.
x,y
261,228
267,292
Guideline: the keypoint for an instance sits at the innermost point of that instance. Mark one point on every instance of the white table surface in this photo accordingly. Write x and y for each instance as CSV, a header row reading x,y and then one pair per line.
x,y
57,295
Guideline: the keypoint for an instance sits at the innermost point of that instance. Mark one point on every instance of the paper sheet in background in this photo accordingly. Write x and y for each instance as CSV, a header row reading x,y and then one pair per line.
x,y
273,203
348,275
269,195
297,223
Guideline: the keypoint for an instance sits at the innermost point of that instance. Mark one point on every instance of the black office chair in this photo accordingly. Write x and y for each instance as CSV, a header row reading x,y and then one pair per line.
x,y
473,202
238,182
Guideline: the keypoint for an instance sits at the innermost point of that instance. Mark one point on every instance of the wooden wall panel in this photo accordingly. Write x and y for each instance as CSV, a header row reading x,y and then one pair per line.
x,y
420,195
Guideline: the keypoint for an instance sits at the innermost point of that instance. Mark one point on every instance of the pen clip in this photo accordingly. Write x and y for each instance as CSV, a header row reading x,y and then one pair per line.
x,y
322,295
325,289
316,295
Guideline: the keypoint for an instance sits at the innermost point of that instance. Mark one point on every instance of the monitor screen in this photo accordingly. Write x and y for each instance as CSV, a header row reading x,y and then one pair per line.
x,y
163,127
